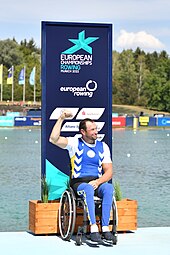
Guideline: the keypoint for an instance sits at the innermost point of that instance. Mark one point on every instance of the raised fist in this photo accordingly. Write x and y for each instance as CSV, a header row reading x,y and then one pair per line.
x,y
66,114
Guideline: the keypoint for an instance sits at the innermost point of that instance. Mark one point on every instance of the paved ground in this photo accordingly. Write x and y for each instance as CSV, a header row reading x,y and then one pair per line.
x,y
144,241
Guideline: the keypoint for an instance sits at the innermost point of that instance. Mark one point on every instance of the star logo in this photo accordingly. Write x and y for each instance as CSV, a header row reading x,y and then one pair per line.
x,y
81,43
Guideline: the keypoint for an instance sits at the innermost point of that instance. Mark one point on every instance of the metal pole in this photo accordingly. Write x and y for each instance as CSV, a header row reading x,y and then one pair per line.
x,y
12,84
24,86
34,90
1,82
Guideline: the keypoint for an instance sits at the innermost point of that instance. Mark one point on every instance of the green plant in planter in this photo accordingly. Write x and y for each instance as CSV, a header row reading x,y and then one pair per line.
x,y
67,183
44,190
118,193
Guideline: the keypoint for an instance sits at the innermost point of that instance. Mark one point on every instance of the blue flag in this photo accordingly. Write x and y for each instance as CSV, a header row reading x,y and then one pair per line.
x,y
10,75
21,77
32,77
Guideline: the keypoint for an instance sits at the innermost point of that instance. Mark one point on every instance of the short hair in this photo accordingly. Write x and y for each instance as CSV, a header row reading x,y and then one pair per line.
x,y
82,124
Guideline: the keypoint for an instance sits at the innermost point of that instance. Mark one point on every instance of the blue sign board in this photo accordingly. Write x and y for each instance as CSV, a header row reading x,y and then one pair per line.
x,y
152,121
27,121
76,75
129,121
165,121
6,121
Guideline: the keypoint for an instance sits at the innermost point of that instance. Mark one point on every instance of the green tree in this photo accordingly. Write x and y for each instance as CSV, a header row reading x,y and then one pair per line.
x,y
10,53
152,61
141,72
19,55
141,79
125,82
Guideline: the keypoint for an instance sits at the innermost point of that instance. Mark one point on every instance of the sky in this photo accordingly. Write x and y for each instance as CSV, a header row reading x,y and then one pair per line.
x,y
136,23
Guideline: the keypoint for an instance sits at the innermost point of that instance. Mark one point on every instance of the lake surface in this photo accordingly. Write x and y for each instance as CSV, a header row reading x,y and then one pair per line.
x,y
142,166
141,162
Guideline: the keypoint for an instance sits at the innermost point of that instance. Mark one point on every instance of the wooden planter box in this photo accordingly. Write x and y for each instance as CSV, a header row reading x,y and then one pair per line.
x,y
43,217
127,215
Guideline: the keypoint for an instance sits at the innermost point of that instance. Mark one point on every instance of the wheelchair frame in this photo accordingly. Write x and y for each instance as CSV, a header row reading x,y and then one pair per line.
x,y
67,216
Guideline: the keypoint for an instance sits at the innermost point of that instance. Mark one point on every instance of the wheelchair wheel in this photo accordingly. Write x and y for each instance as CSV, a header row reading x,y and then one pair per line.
x,y
67,214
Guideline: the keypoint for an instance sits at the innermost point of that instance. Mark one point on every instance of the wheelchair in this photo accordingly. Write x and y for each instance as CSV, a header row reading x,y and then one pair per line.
x,y
69,203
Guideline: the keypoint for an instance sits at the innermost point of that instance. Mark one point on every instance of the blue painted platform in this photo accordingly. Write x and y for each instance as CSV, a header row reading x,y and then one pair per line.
x,y
143,241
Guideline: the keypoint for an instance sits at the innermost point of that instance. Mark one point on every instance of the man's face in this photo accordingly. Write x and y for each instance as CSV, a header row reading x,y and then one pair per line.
x,y
91,131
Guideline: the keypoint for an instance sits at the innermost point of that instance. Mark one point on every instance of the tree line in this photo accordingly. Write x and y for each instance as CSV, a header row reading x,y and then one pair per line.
x,y
141,79
27,54
138,78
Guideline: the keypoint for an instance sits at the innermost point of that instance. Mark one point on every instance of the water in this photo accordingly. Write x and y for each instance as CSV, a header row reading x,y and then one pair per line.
x,y
141,163
19,176
142,166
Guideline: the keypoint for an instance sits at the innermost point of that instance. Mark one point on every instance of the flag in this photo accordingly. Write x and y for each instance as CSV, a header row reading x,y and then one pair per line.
x,y
10,75
21,77
32,77
1,74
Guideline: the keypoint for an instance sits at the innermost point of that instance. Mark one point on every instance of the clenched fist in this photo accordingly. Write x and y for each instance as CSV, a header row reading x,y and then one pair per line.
x,y
66,114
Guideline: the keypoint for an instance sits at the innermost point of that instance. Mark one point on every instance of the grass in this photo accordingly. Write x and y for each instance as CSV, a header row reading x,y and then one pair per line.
x,y
131,110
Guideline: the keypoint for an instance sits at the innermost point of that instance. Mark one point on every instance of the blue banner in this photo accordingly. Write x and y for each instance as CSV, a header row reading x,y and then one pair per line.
x,y
129,121
163,122
152,121
76,75
6,121
27,121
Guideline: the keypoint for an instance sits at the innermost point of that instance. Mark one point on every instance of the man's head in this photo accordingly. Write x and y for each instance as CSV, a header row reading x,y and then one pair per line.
x,y
88,129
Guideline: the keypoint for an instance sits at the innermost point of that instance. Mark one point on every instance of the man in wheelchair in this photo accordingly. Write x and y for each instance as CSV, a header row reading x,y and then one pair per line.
x,y
91,169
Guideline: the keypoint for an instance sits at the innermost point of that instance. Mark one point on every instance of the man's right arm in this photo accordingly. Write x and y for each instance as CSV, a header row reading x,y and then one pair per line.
x,y
55,137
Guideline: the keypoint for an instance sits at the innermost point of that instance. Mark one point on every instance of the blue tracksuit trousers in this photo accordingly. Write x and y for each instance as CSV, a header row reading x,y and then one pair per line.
x,y
105,191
